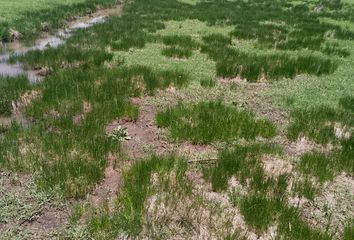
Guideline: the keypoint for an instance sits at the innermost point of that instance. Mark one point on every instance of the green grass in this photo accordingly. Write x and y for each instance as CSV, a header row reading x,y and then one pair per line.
x,y
349,231
136,188
11,10
76,162
208,82
176,52
305,188
254,66
108,63
145,80
242,162
318,124
259,212
198,66
321,126
293,227
347,103
10,90
325,167
180,41
137,182
27,17
63,57
205,123
266,199
318,165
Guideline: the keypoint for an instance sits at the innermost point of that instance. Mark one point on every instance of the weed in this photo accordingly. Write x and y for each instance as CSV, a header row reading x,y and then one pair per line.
x,y
137,186
104,224
206,123
334,49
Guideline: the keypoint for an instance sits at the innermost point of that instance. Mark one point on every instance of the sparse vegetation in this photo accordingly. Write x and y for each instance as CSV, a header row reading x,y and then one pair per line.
x,y
244,163
319,124
183,119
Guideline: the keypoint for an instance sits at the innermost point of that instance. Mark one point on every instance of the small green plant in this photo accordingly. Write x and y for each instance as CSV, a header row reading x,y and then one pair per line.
x,y
119,134
142,79
344,158
272,66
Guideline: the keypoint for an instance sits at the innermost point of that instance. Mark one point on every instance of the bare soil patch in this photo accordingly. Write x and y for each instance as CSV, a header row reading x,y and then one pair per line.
x,y
25,210
107,189
333,207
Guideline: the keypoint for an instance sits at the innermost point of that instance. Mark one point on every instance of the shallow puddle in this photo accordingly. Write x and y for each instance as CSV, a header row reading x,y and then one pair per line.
x,y
16,48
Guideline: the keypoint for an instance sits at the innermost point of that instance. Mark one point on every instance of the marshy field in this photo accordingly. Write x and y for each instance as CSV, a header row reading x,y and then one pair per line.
x,y
177,119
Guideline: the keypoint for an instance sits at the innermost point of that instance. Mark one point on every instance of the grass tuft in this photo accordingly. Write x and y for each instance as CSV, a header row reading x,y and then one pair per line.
x,y
242,162
349,231
205,123
137,184
318,165
176,52
10,90
259,212
208,82
185,42
318,123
